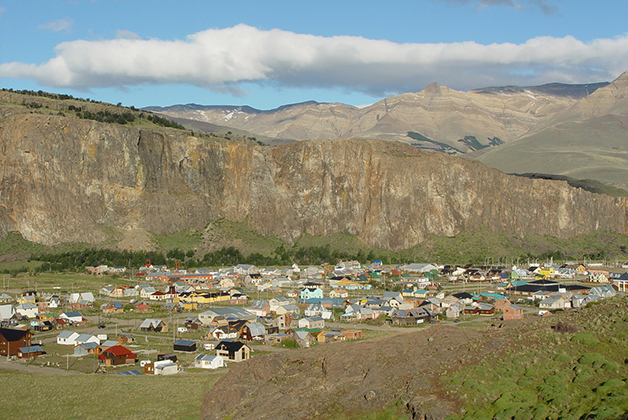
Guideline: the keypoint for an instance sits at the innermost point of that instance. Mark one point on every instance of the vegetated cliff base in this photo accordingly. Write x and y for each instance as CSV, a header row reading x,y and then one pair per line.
x,y
68,180
567,365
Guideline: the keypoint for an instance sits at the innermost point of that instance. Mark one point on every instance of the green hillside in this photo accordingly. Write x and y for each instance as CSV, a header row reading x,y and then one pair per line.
x,y
595,149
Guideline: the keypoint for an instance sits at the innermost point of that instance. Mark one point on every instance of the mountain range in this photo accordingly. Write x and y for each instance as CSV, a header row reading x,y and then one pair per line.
x,y
571,130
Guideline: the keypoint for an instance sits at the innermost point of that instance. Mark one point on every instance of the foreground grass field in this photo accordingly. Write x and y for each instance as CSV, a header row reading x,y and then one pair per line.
x,y
98,396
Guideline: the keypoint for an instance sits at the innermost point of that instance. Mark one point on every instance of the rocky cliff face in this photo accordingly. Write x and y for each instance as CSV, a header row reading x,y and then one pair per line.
x,y
64,179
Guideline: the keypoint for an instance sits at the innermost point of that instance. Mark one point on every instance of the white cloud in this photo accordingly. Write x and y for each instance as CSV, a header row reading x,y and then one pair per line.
x,y
60,25
221,59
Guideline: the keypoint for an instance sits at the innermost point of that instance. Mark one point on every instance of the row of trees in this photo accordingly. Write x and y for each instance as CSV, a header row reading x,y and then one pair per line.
x,y
229,256
226,256
78,260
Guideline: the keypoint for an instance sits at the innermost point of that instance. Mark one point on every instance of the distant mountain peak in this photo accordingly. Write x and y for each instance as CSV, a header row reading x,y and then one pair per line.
x,y
432,89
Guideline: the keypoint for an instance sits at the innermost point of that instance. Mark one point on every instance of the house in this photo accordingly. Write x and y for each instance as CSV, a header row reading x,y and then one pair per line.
x,y
206,361
110,343
167,356
471,310
238,298
84,349
512,312
222,315
116,355
303,338
184,345
47,316
277,302
143,308
335,334
555,302
27,297
235,351
502,303
193,323
43,326
312,322
222,332
67,338
282,321
277,339
11,340
453,311
253,331
411,317
161,367
260,308
338,294
288,309
146,291
353,334
317,309
87,297
418,268
486,309
27,310
7,312
126,339
311,293
153,325
4,298
30,351
112,308
86,338
72,317
605,291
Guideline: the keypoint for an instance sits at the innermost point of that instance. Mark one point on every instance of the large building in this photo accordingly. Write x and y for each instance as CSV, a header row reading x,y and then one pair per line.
x,y
11,341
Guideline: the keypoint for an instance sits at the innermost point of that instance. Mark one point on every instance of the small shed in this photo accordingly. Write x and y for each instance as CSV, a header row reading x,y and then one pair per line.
x,y
30,351
167,356
162,367
185,345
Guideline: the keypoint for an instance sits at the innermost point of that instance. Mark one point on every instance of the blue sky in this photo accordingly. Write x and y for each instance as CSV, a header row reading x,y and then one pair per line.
x,y
267,54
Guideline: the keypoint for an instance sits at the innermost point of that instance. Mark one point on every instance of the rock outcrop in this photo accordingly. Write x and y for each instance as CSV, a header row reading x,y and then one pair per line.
x,y
345,379
64,179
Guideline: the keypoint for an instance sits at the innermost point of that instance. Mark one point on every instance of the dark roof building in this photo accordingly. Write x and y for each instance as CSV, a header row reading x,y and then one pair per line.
x,y
11,340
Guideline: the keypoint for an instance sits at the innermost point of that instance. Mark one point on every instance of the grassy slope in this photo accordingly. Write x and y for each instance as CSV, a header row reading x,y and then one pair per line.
x,y
548,374
593,149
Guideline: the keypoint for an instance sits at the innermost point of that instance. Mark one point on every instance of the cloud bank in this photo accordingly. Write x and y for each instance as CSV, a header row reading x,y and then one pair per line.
x,y
222,59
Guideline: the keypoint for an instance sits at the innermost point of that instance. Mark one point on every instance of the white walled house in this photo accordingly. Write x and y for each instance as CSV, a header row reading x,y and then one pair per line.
x,y
207,361
27,309
67,338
